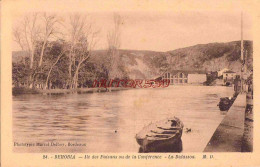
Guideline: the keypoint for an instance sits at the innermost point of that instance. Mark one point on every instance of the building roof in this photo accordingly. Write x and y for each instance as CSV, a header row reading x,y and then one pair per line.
x,y
229,71
158,78
223,69
186,72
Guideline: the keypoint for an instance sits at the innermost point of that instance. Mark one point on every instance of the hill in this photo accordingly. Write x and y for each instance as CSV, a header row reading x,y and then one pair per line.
x,y
212,56
150,64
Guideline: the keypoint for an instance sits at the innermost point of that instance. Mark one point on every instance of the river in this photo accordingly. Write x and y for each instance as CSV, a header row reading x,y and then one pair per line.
x,y
108,122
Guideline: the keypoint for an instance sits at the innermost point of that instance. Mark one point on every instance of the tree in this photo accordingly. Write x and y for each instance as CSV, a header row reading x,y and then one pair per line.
x,y
50,56
56,52
82,39
31,34
19,40
49,29
114,42
27,35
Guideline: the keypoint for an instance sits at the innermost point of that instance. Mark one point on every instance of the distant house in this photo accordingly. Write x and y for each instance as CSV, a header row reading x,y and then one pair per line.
x,y
220,72
228,77
185,77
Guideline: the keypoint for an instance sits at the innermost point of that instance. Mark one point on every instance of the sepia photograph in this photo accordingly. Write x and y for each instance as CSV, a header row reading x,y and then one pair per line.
x,y
140,82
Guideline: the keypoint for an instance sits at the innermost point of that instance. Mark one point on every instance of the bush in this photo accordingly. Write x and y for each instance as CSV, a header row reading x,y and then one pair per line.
x,y
23,90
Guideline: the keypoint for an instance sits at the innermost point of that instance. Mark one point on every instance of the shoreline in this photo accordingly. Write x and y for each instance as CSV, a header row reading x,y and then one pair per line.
x,y
22,91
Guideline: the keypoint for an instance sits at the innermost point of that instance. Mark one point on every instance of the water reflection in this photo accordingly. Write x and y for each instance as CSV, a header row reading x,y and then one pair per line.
x,y
94,118
176,147
223,112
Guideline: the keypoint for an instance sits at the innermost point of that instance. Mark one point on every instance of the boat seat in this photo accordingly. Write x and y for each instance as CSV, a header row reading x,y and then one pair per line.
x,y
160,135
173,128
165,132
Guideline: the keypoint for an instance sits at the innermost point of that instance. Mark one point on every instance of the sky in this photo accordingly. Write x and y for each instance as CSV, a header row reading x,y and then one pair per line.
x,y
164,31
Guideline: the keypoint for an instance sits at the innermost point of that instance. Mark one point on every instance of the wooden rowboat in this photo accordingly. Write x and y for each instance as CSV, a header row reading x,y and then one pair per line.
x,y
160,134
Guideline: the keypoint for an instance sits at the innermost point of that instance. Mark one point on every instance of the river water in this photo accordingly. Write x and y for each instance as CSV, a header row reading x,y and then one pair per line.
x,y
108,122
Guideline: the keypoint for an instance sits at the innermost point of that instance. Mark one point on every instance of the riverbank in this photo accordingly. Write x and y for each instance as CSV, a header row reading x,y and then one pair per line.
x,y
19,91
24,90
228,137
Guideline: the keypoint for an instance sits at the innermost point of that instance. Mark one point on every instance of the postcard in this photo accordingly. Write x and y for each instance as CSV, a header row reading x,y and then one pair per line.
x,y
129,83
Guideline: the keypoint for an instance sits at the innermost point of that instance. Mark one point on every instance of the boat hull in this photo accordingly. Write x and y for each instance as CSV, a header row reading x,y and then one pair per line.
x,y
159,137
225,103
160,145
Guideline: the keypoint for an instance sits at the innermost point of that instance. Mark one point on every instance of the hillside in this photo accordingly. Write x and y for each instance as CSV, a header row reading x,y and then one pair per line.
x,y
211,57
150,64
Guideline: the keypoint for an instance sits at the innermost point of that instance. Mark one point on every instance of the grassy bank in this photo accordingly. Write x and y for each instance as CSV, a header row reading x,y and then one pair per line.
x,y
22,90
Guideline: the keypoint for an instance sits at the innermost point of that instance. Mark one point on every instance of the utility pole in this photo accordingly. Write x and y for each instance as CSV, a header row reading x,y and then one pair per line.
x,y
242,55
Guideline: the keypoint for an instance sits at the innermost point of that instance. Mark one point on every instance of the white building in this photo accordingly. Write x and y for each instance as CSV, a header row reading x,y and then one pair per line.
x,y
227,75
220,72
185,77
197,78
